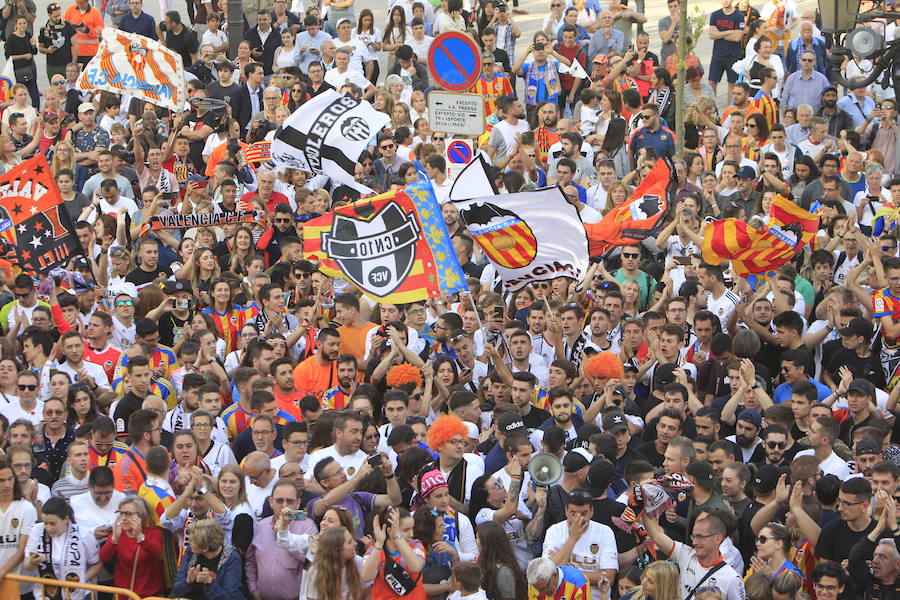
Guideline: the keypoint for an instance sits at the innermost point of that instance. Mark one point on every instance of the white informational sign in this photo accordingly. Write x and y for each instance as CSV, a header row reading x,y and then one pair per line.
x,y
458,154
456,113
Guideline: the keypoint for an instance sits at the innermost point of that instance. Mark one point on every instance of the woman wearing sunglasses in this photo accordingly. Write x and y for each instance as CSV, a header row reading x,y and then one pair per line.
x,y
773,544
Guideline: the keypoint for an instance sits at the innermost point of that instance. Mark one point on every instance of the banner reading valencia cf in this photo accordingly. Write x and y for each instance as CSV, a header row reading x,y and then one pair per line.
x,y
529,236
32,218
133,64
395,247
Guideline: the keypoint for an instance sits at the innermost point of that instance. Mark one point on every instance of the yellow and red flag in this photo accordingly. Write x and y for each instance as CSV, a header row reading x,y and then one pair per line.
x,y
258,152
394,247
758,252
639,217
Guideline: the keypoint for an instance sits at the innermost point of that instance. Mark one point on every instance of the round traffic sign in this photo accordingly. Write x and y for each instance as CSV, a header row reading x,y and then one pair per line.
x,y
454,61
459,152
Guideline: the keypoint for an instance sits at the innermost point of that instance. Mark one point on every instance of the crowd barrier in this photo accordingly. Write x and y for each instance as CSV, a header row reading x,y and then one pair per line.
x,y
25,580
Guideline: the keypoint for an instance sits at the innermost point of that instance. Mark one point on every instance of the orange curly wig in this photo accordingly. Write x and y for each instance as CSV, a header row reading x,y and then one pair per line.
x,y
445,428
404,373
606,365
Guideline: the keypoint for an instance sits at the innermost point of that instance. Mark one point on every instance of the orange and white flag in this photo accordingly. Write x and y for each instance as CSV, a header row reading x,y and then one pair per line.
x,y
136,65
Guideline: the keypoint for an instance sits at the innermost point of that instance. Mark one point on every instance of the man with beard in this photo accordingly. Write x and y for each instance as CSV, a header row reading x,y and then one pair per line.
x,y
866,454
749,422
561,415
667,428
570,338
571,146
537,326
338,397
598,322
506,136
775,444
318,372
547,132
836,118
823,433
522,394
884,581
522,358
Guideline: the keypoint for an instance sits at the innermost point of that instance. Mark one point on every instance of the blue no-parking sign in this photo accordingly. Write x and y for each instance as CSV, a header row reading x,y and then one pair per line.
x,y
454,61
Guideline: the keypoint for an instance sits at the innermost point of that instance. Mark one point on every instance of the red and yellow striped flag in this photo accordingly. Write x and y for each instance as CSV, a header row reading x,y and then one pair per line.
x,y
258,152
753,251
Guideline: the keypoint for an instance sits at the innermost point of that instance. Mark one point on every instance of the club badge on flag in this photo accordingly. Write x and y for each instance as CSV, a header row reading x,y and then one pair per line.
x,y
639,217
760,252
529,236
32,218
326,136
133,64
394,247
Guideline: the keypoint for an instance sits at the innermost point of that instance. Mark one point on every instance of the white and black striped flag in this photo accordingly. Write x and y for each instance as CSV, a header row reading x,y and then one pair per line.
x,y
326,136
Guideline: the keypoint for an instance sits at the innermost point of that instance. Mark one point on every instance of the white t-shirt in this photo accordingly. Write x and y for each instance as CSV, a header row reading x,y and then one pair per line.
x,y
503,137
722,306
594,551
89,550
726,579
351,75
256,496
213,38
90,516
122,336
108,209
350,463
833,465
16,521
514,528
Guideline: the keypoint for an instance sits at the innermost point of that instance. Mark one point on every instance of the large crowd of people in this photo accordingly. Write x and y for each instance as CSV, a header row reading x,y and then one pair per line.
x,y
202,413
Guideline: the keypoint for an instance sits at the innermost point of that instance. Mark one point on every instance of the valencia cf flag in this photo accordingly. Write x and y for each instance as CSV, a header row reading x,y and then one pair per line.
x,y
640,217
760,252
32,218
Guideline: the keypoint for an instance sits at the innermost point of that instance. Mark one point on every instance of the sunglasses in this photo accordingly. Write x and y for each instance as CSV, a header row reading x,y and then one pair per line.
x,y
386,146
124,302
283,220
779,445
27,386
630,255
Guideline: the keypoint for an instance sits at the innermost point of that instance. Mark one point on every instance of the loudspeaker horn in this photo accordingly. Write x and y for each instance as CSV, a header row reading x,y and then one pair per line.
x,y
545,469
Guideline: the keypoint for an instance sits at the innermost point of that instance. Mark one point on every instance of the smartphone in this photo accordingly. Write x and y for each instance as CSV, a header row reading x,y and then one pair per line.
x,y
682,260
376,461
539,46
202,181
498,312
182,303
295,515
169,195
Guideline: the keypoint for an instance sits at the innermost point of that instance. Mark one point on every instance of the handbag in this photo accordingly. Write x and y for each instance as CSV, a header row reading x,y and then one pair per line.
x,y
400,582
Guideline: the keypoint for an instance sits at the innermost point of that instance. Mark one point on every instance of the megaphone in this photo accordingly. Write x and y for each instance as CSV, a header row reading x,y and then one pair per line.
x,y
545,469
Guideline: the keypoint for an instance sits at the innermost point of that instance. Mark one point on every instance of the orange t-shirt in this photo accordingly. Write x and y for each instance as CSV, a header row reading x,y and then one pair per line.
x,y
353,339
129,472
217,154
289,403
89,40
313,378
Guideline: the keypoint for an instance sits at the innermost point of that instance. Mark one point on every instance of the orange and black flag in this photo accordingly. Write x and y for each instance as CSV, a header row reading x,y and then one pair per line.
x,y
640,217
33,220
756,254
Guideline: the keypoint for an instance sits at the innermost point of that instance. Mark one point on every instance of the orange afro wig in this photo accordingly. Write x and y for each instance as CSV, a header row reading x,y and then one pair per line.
x,y
404,373
606,365
444,429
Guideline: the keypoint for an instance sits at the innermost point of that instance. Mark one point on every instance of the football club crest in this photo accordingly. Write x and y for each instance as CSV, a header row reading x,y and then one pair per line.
x,y
377,251
595,548
502,235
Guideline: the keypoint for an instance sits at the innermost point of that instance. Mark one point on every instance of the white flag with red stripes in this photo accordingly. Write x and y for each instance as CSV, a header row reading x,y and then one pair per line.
x,y
133,64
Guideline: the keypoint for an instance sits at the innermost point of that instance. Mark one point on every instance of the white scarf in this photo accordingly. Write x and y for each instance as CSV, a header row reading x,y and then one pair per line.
x,y
73,566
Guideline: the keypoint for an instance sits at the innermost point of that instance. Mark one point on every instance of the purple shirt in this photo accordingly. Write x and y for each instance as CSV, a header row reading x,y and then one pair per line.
x,y
358,503
273,572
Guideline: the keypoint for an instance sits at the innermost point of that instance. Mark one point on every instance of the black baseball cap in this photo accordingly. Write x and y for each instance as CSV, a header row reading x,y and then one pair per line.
x,y
510,422
178,286
858,326
614,421
576,459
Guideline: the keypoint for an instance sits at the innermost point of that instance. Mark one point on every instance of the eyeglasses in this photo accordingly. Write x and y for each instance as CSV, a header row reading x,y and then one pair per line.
x,y
807,60
786,369
126,513
280,501
779,445
258,432
27,386
201,426
124,302
298,442
825,588
630,255
416,311
457,441
387,146
54,412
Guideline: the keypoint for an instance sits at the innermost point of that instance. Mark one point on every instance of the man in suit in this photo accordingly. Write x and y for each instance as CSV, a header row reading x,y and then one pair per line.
x,y
248,100
264,40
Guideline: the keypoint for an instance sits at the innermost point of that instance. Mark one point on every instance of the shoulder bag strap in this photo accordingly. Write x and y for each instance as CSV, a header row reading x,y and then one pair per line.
x,y
134,567
704,578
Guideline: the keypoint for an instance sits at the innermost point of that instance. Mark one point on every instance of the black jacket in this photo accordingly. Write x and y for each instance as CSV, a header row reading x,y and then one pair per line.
x,y
268,48
419,80
242,108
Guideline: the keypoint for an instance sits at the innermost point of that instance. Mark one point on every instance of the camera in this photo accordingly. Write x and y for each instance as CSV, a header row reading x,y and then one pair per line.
x,y
539,46
182,303
295,515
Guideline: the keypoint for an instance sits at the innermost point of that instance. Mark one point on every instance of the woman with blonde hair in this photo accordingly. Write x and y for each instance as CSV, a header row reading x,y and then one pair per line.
x,y
382,102
63,157
661,580
207,545
335,572
631,294
231,489
616,194
400,116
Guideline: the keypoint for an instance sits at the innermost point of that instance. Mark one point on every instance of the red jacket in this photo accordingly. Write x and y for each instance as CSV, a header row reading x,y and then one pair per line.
x,y
148,576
